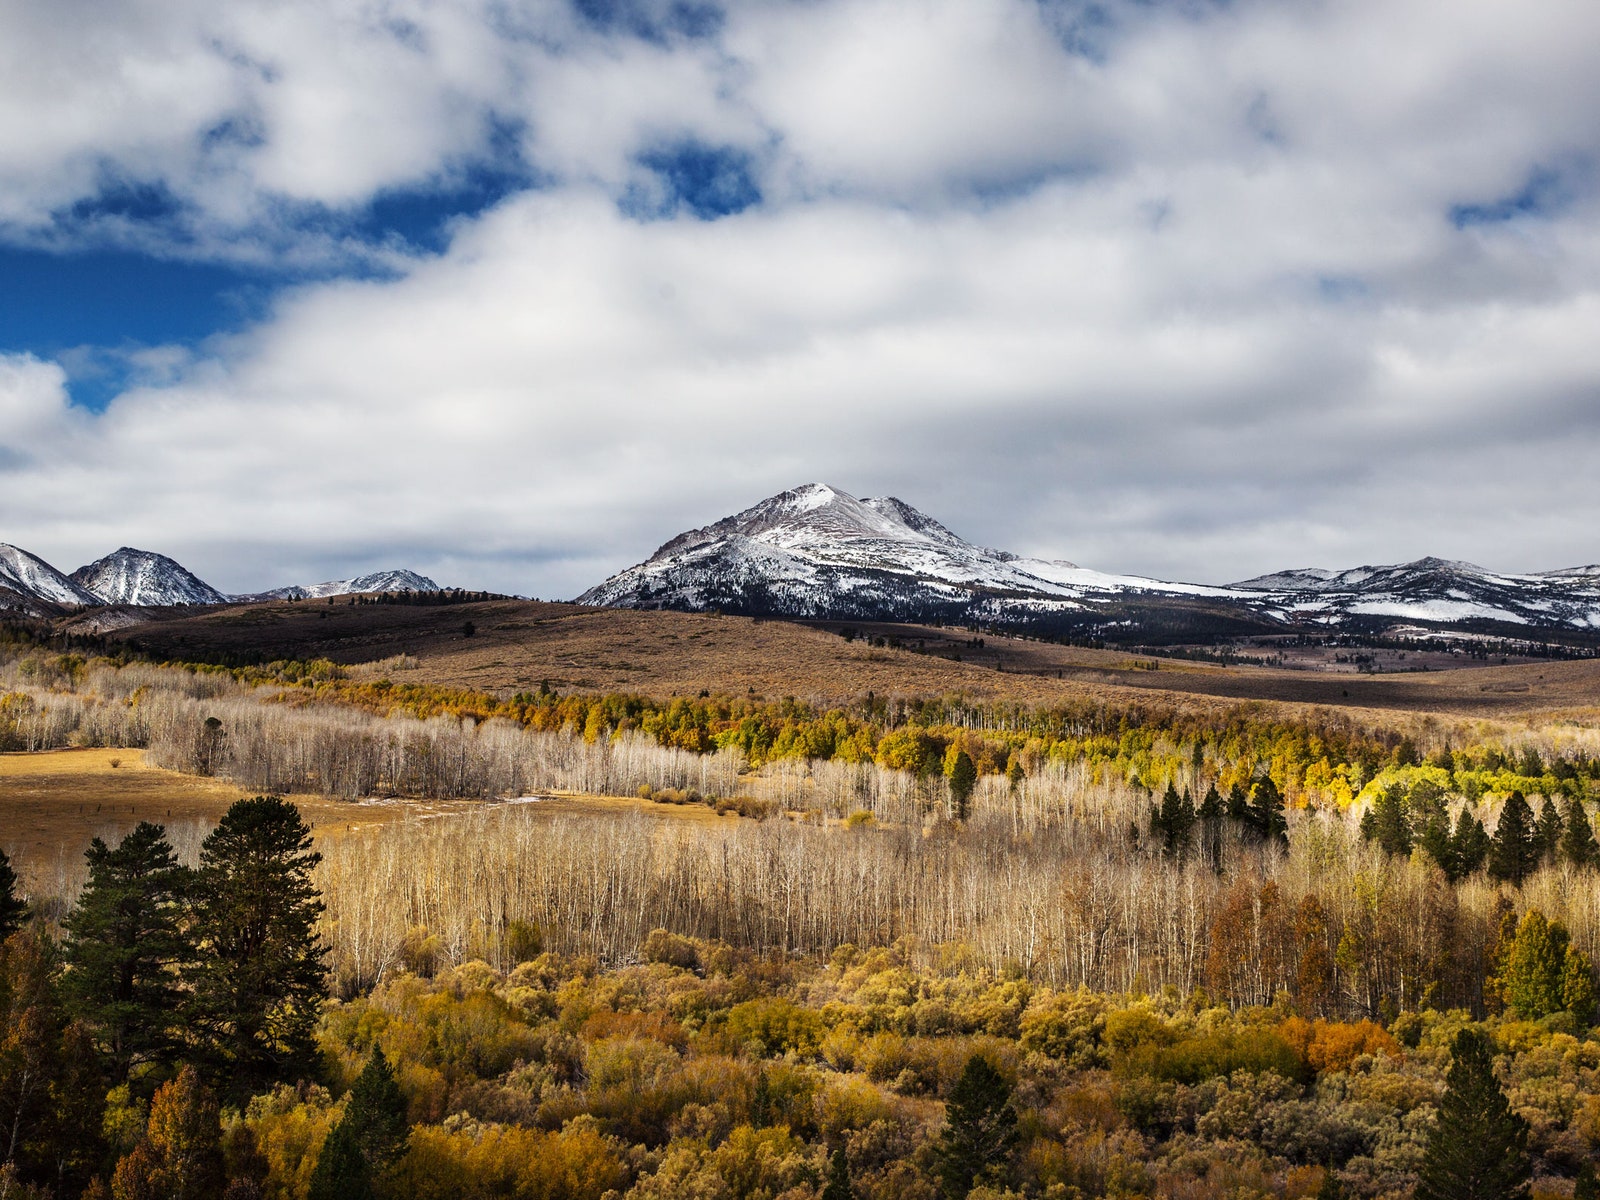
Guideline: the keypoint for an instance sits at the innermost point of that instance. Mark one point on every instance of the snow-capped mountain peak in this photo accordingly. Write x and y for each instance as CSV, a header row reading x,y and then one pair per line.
x,y
144,578
817,551
398,580
31,578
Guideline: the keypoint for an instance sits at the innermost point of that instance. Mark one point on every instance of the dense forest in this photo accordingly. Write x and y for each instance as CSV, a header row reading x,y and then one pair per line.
x,y
1107,951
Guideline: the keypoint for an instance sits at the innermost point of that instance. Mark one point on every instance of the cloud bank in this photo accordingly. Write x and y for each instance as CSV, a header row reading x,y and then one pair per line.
x,y
1193,290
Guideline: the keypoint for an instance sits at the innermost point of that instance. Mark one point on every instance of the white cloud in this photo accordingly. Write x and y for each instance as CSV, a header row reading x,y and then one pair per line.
x,y
1193,306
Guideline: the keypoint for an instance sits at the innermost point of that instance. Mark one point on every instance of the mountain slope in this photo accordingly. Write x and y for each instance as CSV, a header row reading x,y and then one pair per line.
x,y
399,580
27,578
144,578
1435,590
818,552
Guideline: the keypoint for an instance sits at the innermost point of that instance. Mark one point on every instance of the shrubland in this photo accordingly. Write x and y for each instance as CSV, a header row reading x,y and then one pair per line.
x,y
1197,952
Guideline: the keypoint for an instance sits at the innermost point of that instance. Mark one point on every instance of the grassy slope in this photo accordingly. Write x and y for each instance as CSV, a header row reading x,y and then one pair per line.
x,y
518,644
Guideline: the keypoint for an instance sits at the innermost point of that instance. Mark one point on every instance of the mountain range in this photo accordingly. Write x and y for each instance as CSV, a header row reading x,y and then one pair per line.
x,y
131,578
818,552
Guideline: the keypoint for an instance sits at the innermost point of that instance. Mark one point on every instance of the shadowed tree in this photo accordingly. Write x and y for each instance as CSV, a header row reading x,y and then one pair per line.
x,y
368,1138
1470,845
258,978
962,774
1266,812
1478,1148
838,1185
980,1131
13,909
125,944
1577,839
1515,853
1547,833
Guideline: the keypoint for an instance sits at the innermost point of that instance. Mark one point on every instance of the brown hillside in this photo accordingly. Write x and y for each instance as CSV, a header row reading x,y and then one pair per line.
x,y
516,645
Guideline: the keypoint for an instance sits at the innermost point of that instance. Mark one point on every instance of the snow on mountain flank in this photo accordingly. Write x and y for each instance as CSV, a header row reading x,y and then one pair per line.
x,y
144,578
32,578
816,551
399,580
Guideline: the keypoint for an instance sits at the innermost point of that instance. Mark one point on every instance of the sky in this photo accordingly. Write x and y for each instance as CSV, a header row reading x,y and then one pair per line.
x,y
511,292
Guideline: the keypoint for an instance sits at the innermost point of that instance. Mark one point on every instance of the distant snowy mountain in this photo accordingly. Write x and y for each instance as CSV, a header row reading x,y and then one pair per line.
x,y
379,581
143,578
818,552
26,580
1435,590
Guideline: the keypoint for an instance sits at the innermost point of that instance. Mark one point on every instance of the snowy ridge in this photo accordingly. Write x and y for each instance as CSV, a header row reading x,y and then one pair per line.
x,y
816,551
31,578
1439,590
143,578
400,580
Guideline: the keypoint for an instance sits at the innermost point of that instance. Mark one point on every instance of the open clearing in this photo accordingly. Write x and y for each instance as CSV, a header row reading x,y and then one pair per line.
x,y
52,803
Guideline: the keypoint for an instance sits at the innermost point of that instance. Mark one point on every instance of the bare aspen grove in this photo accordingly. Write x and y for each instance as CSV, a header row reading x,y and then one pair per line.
x,y
1060,873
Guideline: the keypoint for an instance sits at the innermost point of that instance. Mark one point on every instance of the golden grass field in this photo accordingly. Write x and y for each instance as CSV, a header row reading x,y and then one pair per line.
x,y
518,644
53,802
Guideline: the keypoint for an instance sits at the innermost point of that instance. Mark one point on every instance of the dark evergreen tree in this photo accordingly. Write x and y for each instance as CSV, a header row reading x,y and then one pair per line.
x,y
1515,854
1389,827
1437,843
1177,821
125,944
1470,845
258,979
1211,817
1587,1186
962,774
1331,1188
838,1185
980,1131
368,1138
1478,1148
1266,812
1578,846
1547,833
1239,805
341,1172
13,909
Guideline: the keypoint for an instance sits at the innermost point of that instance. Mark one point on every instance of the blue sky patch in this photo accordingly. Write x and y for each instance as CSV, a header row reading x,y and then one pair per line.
x,y
708,181
649,21
1545,193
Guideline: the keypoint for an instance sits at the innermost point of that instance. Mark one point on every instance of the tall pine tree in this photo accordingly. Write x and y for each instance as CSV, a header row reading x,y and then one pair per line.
x,y
1515,853
368,1138
1470,845
1547,833
1577,840
1266,812
1478,1148
125,944
980,1131
258,980
13,909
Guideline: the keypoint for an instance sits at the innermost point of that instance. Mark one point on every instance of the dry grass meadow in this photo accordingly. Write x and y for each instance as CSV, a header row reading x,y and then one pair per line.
x,y
53,802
